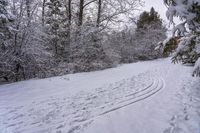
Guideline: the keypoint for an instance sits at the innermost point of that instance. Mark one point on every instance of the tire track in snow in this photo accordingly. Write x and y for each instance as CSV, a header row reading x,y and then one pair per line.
x,y
145,88
75,113
139,98
147,92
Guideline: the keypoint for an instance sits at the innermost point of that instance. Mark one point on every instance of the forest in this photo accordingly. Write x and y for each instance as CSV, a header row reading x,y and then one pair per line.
x,y
99,66
44,38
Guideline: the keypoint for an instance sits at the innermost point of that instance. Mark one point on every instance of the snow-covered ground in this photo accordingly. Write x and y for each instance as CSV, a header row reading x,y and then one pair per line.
x,y
144,97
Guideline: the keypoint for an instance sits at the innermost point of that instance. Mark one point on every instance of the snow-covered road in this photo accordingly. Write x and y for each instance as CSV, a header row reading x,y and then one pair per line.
x,y
144,97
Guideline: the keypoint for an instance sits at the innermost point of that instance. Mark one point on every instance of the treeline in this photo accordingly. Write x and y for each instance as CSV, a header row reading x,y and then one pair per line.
x,y
43,38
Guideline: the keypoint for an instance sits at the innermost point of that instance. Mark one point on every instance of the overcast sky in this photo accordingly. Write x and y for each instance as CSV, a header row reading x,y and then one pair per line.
x,y
161,8
158,6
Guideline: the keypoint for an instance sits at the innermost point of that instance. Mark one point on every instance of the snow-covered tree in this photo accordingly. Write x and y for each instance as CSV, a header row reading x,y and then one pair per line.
x,y
148,18
188,49
23,53
5,19
53,37
54,18
140,45
6,33
87,52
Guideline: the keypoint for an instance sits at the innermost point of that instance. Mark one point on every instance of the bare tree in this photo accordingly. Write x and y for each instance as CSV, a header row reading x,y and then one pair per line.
x,y
43,11
81,9
53,33
99,12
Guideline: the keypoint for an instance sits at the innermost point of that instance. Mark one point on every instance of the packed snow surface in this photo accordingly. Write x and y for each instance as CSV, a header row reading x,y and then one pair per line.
x,y
144,97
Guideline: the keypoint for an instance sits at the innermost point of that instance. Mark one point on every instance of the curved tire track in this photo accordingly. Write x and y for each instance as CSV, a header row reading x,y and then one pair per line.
x,y
146,93
84,108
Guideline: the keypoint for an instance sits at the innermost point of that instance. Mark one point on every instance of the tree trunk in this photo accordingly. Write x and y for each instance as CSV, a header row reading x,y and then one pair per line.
x,y
43,11
69,23
69,12
28,10
68,9
17,27
99,13
80,18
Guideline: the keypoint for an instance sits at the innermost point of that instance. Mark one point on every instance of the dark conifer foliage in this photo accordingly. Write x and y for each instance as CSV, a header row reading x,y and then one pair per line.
x,y
188,32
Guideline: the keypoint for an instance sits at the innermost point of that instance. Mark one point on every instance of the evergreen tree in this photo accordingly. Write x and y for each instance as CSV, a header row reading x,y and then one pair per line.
x,y
148,18
154,16
188,50
54,20
150,30
5,19
6,50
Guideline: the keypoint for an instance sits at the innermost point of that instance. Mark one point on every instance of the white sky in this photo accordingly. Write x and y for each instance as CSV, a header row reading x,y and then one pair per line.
x,y
158,6
161,8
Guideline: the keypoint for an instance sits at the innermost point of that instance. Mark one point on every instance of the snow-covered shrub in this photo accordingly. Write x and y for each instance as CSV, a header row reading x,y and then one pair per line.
x,y
189,30
139,44
87,52
129,45
148,38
